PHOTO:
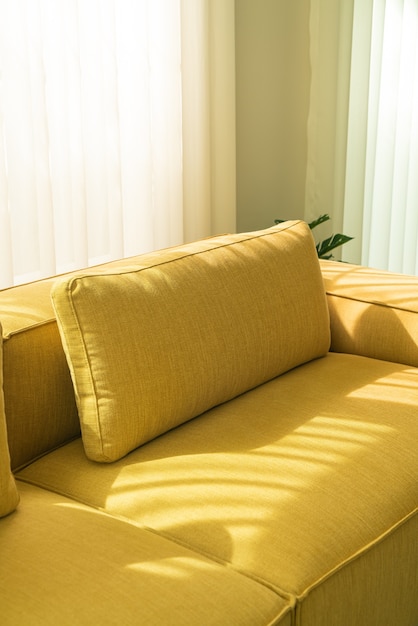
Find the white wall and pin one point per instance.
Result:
(272, 105)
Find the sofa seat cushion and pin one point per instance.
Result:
(64, 563)
(153, 345)
(308, 482)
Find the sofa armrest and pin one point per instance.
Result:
(373, 313)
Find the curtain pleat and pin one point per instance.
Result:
(381, 175)
(196, 108)
(363, 128)
(106, 134)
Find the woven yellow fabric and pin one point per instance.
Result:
(373, 312)
(63, 563)
(38, 392)
(154, 345)
(379, 586)
(41, 413)
(308, 482)
(9, 496)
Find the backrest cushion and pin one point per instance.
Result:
(9, 496)
(154, 345)
(39, 398)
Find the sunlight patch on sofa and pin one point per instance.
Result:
(400, 388)
(174, 567)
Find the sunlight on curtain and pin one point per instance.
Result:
(382, 153)
(106, 132)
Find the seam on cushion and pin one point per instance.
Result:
(9, 335)
(385, 305)
(282, 593)
(123, 270)
(357, 555)
(132, 269)
(89, 366)
(278, 620)
(129, 270)
(41, 455)
(285, 595)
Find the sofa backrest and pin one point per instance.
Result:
(39, 400)
(155, 345)
(252, 306)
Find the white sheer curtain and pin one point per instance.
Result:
(382, 165)
(109, 145)
(363, 128)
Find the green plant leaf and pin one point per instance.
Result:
(324, 247)
(320, 220)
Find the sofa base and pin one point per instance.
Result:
(316, 499)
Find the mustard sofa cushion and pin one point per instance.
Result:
(9, 496)
(154, 345)
(41, 414)
(367, 304)
(308, 483)
(64, 563)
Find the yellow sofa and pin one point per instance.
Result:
(220, 433)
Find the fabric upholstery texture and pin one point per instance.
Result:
(38, 392)
(9, 496)
(292, 495)
(151, 347)
(295, 503)
(68, 564)
(375, 592)
(373, 312)
(42, 412)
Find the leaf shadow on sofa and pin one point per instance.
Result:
(288, 481)
(87, 567)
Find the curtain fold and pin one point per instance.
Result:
(363, 132)
(108, 143)
(390, 233)
(330, 32)
(381, 185)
